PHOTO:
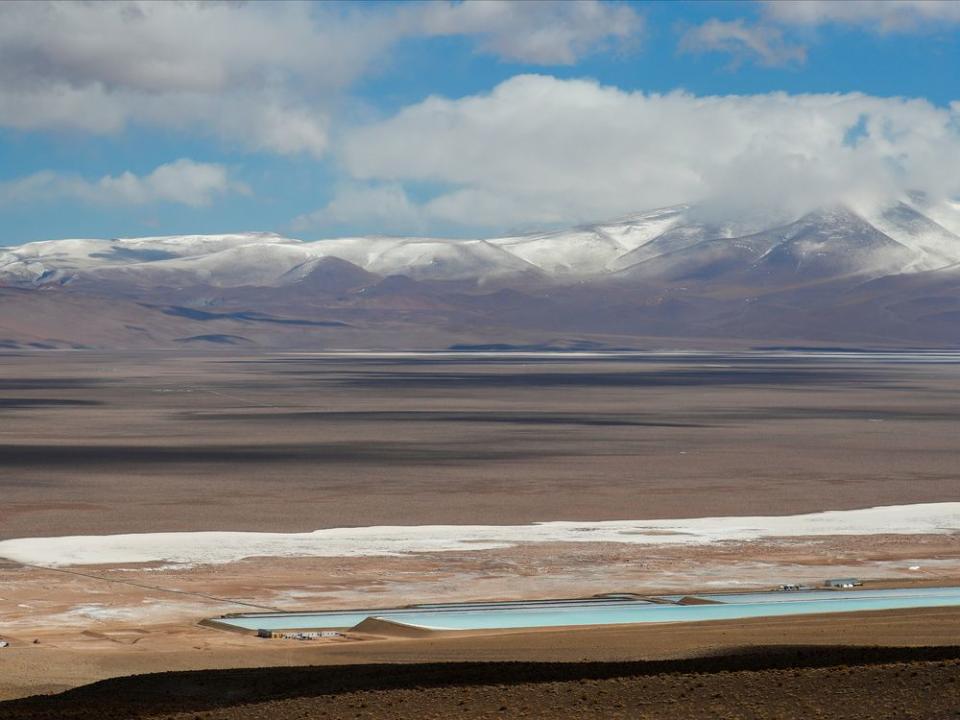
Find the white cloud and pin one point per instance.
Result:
(369, 207)
(545, 32)
(262, 75)
(246, 73)
(880, 15)
(540, 150)
(183, 182)
(761, 43)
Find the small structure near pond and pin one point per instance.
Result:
(842, 583)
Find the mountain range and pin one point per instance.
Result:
(883, 278)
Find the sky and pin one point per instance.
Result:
(463, 119)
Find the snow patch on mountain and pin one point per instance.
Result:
(667, 243)
(446, 260)
(934, 245)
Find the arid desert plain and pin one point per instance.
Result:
(453, 476)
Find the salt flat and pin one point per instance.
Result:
(192, 548)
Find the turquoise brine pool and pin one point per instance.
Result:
(611, 611)
(340, 619)
(797, 595)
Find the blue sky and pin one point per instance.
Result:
(315, 120)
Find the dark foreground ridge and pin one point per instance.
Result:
(778, 682)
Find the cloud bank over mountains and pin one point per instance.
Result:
(540, 150)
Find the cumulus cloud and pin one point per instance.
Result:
(761, 43)
(367, 207)
(547, 32)
(235, 71)
(540, 150)
(183, 182)
(262, 75)
(880, 15)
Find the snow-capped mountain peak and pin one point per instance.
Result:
(662, 243)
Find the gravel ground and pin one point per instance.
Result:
(783, 683)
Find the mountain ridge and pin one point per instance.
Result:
(888, 276)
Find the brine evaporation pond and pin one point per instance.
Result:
(608, 610)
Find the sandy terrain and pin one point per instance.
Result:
(518, 691)
(68, 626)
(93, 444)
(84, 606)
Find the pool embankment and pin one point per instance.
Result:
(693, 600)
(382, 627)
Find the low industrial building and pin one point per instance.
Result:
(843, 583)
(301, 634)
